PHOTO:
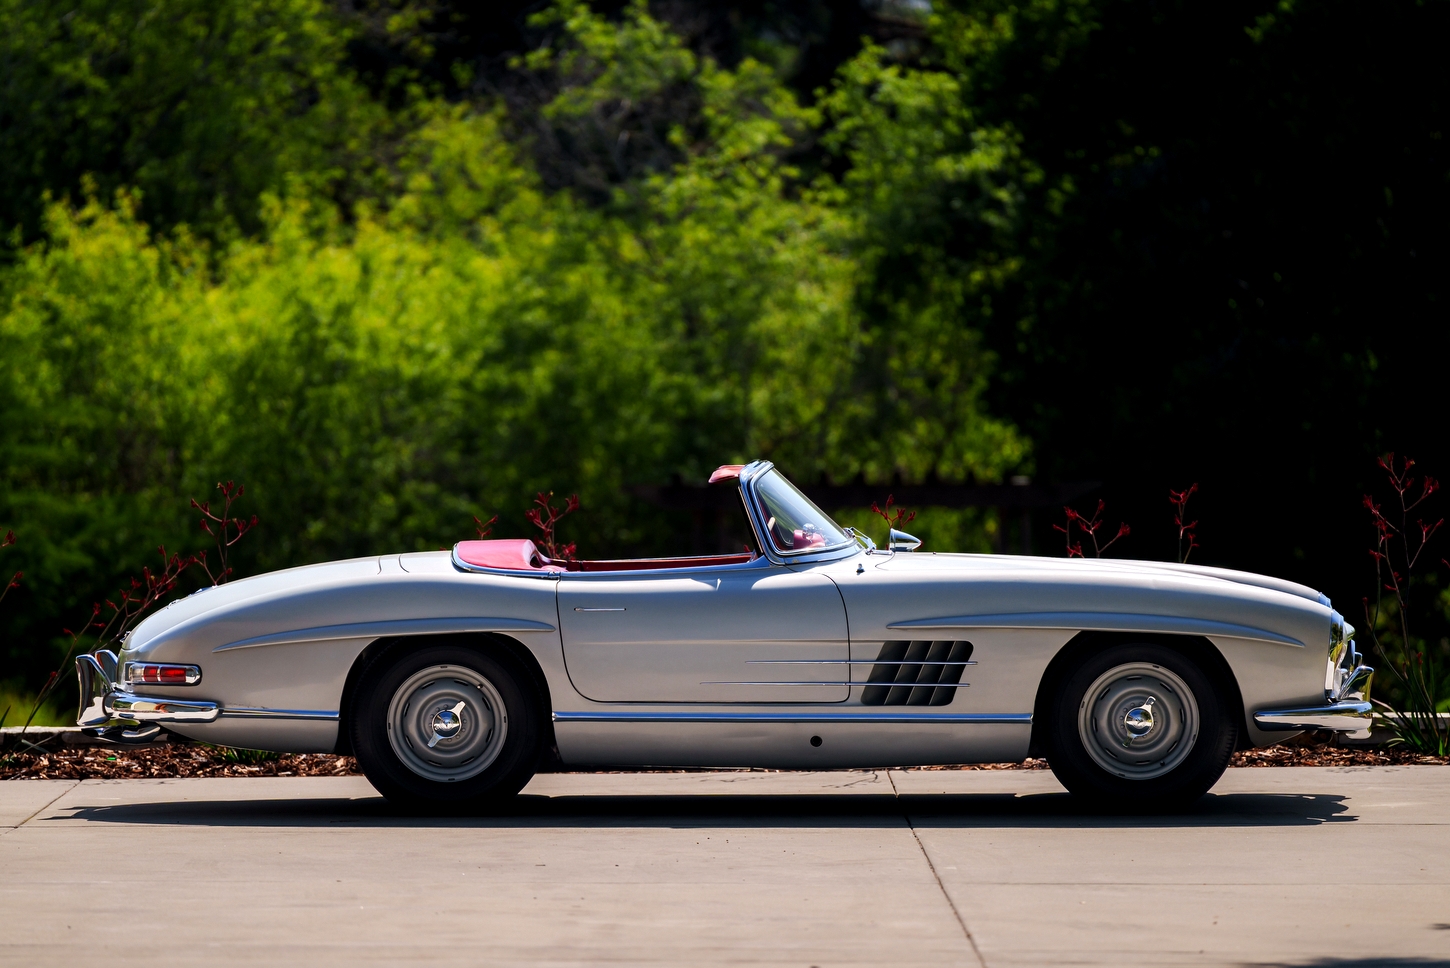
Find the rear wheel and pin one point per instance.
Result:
(1140, 728)
(446, 728)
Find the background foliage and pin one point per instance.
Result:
(397, 262)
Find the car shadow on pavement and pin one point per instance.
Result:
(1354, 963)
(736, 810)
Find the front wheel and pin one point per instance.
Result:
(1140, 728)
(445, 728)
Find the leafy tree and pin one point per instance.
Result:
(198, 105)
(468, 334)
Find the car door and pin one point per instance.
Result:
(756, 633)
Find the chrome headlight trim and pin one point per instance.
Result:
(1345, 677)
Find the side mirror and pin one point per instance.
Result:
(901, 541)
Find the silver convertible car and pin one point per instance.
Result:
(452, 677)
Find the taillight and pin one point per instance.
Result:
(162, 674)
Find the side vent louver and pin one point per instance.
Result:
(917, 673)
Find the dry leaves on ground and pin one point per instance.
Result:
(1333, 756)
(167, 760)
(187, 760)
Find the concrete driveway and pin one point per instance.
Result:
(1344, 867)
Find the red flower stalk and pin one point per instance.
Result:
(134, 600)
(1397, 549)
(893, 519)
(15, 578)
(484, 528)
(546, 518)
(1179, 500)
(224, 529)
(1089, 526)
(130, 605)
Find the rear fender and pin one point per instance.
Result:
(510, 650)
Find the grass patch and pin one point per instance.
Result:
(229, 754)
(51, 713)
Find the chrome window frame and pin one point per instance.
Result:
(750, 475)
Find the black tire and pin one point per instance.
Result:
(490, 752)
(1135, 745)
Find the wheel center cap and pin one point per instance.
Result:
(446, 724)
(1138, 721)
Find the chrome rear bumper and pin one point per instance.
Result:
(146, 709)
(108, 711)
(1342, 717)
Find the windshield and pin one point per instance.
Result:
(793, 522)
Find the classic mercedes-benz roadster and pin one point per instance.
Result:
(452, 677)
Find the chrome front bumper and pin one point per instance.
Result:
(110, 712)
(1342, 717)
(1347, 680)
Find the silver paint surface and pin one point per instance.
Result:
(693, 640)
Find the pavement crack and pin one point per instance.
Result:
(961, 921)
(49, 803)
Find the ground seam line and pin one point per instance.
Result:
(48, 804)
(940, 886)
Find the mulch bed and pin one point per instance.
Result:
(167, 760)
(1333, 756)
(192, 760)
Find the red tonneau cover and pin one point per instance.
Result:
(510, 553)
(521, 554)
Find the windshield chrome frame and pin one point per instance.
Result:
(750, 476)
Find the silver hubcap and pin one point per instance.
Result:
(1138, 720)
(447, 723)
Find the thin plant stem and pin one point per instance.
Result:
(1397, 551)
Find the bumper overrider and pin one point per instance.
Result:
(111, 712)
(1346, 708)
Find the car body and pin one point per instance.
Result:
(815, 652)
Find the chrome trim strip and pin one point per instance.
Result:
(261, 712)
(582, 608)
(612, 716)
(858, 682)
(759, 562)
(1342, 717)
(1099, 622)
(149, 709)
(407, 626)
(870, 662)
